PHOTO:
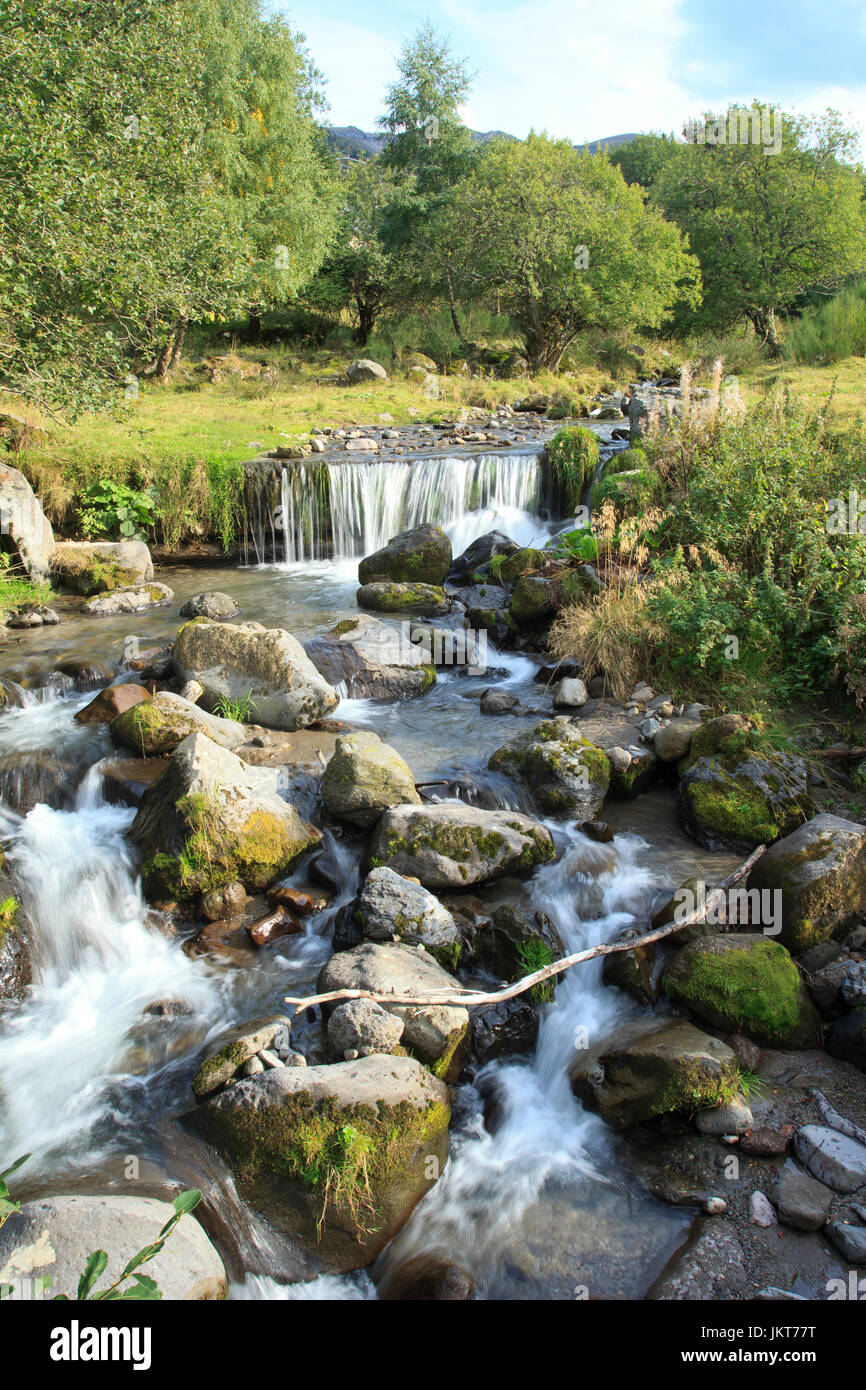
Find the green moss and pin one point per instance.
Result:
(429, 677)
(532, 955)
(8, 918)
(521, 562)
(755, 989)
(346, 625)
(734, 809)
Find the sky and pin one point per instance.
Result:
(583, 69)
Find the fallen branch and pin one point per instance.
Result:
(838, 750)
(471, 998)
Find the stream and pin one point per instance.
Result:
(536, 1202)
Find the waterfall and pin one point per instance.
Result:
(346, 510)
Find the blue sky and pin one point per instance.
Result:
(583, 68)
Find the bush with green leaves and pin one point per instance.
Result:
(118, 512)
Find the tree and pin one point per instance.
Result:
(430, 151)
(767, 227)
(265, 147)
(358, 274)
(566, 244)
(642, 159)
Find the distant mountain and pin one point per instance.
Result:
(356, 143)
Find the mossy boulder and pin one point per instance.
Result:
(137, 598)
(521, 562)
(564, 773)
(336, 1156)
(426, 600)
(210, 819)
(820, 869)
(419, 556)
(227, 1054)
(153, 728)
(15, 966)
(372, 659)
(450, 845)
(365, 777)
(438, 1035)
(534, 600)
(744, 983)
(266, 667)
(633, 972)
(734, 796)
(390, 906)
(99, 567)
(654, 1067)
(628, 782)
(517, 943)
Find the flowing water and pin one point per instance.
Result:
(534, 1201)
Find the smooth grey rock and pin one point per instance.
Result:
(25, 523)
(801, 1201)
(570, 693)
(831, 1157)
(365, 777)
(451, 845)
(213, 604)
(850, 1240)
(363, 1026)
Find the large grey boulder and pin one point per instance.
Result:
(450, 845)
(364, 777)
(98, 567)
(419, 556)
(362, 1027)
(25, 523)
(365, 369)
(390, 905)
(342, 1153)
(801, 1201)
(564, 773)
(266, 666)
(53, 1236)
(370, 659)
(211, 819)
(820, 869)
(213, 604)
(436, 1033)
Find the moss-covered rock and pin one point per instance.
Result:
(15, 966)
(628, 782)
(518, 943)
(210, 820)
(99, 567)
(426, 600)
(153, 728)
(337, 1156)
(744, 983)
(365, 777)
(563, 771)
(653, 1067)
(820, 870)
(732, 795)
(521, 562)
(227, 1054)
(419, 556)
(372, 659)
(452, 846)
(390, 906)
(534, 601)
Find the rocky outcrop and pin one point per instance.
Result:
(343, 1153)
(390, 906)
(820, 870)
(153, 728)
(732, 796)
(564, 773)
(25, 524)
(372, 660)
(212, 604)
(652, 1067)
(227, 1054)
(265, 666)
(450, 845)
(436, 1034)
(132, 600)
(419, 556)
(53, 1237)
(99, 567)
(423, 600)
(746, 983)
(210, 820)
(365, 777)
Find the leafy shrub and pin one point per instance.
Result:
(116, 511)
(831, 331)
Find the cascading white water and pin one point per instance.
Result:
(372, 501)
(97, 962)
(493, 1178)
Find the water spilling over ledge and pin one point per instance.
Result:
(341, 510)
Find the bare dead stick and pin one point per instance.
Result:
(469, 998)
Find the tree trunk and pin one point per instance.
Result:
(162, 362)
(366, 320)
(452, 305)
(254, 313)
(179, 335)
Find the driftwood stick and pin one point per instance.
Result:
(469, 998)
